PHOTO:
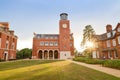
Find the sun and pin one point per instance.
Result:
(89, 44)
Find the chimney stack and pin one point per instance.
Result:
(109, 28)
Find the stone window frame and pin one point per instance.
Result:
(118, 39)
(108, 34)
(46, 43)
(108, 43)
(42, 43)
(118, 29)
(51, 43)
(114, 42)
(55, 43)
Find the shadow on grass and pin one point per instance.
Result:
(73, 72)
(63, 70)
(23, 63)
(25, 75)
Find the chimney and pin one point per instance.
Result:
(109, 28)
(11, 32)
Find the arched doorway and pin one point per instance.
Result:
(50, 54)
(55, 54)
(5, 56)
(40, 54)
(45, 54)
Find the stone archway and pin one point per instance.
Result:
(46, 54)
(50, 54)
(56, 54)
(40, 54)
(6, 56)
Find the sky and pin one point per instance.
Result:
(42, 17)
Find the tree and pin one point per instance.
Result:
(24, 53)
(75, 52)
(88, 33)
(88, 39)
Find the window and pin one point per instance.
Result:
(114, 42)
(113, 32)
(51, 43)
(51, 37)
(46, 37)
(64, 47)
(70, 44)
(7, 44)
(55, 43)
(119, 29)
(38, 36)
(46, 43)
(108, 35)
(109, 54)
(56, 37)
(98, 56)
(108, 43)
(41, 43)
(0, 42)
(96, 45)
(11, 56)
(71, 37)
(115, 54)
(13, 46)
(118, 39)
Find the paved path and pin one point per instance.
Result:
(107, 70)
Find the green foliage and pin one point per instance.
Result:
(87, 53)
(22, 63)
(112, 64)
(107, 63)
(49, 70)
(1, 60)
(88, 60)
(24, 53)
(88, 33)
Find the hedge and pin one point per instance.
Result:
(112, 64)
(107, 63)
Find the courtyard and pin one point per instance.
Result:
(49, 69)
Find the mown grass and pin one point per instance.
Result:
(52, 70)
(22, 63)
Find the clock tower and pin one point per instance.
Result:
(64, 36)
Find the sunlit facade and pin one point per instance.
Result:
(107, 45)
(8, 42)
(55, 46)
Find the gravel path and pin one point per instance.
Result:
(107, 70)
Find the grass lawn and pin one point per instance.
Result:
(49, 70)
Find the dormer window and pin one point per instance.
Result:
(118, 29)
(113, 32)
(108, 35)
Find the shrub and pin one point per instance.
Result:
(112, 64)
(1, 60)
(88, 60)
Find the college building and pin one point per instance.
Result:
(107, 45)
(8, 42)
(55, 46)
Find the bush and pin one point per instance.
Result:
(88, 60)
(1, 60)
(107, 63)
(112, 64)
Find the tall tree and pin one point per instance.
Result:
(88, 33)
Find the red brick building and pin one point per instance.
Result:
(55, 46)
(108, 44)
(8, 42)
